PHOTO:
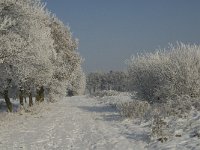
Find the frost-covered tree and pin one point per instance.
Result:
(37, 51)
(67, 61)
(10, 46)
(77, 84)
(26, 43)
(113, 80)
(93, 81)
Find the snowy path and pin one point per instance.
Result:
(76, 123)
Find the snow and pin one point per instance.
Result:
(85, 123)
(73, 123)
(188, 131)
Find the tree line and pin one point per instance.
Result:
(113, 80)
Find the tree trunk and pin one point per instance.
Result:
(25, 100)
(8, 103)
(94, 89)
(70, 93)
(40, 94)
(21, 98)
(90, 91)
(30, 99)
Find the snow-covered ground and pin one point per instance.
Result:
(85, 123)
(78, 123)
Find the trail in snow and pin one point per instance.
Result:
(77, 123)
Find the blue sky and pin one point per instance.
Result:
(110, 31)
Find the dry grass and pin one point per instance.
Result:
(133, 109)
(105, 93)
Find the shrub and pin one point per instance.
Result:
(176, 125)
(106, 93)
(133, 109)
(159, 129)
(158, 76)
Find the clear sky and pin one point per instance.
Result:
(110, 31)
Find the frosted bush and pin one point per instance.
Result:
(133, 109)
(180, 106)
(157, 76)
(168, 128)
(159, 129)
(106, 93)
(166, 118)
